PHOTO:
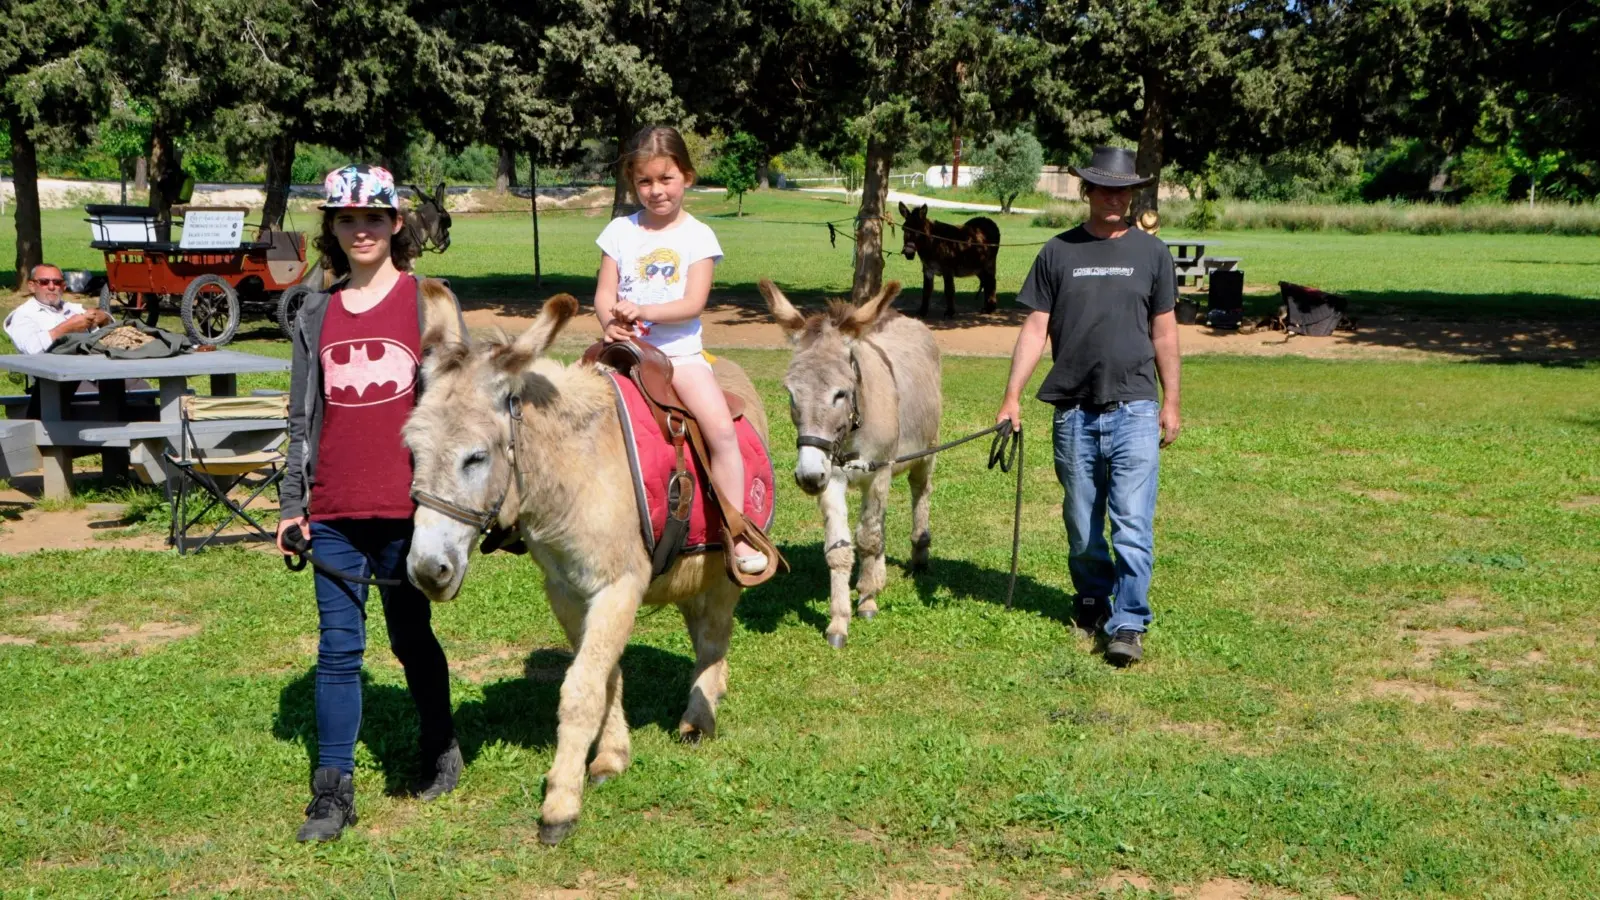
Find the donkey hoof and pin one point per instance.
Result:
(867, 612)
(836, 641)
(602, 778)
(553, 833)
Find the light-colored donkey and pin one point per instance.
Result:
(863, 388)
(504, 434)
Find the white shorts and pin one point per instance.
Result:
(692, 359)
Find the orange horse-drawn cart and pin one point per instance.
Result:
(214, 272)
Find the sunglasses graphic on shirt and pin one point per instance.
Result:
(665, 270)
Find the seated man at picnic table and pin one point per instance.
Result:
(45, 317)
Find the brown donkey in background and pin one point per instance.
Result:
(952, 252)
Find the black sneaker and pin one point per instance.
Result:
(1126, 647)
(444, 777)
(332, 807)
(1089, 613)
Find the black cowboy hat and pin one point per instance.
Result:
(1111, 167)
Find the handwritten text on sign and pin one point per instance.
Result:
(212, 229)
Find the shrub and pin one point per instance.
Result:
(1011, 165)
(739, 166)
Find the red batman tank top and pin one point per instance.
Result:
(369, 385)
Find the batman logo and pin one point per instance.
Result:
(367, 372)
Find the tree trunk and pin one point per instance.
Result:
(763, 177)
(533, 190)
(1151, 135)
(25, 175)
(166, 178)
(955, 164)
(141, 173)
(505, 174)
(624, 131)
(280, 169)
(869, 221)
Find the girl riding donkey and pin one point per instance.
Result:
(353, 381)
(655, 277)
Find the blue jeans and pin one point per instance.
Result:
(373, 548)
(1108, 462)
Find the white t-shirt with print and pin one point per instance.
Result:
(653, 267)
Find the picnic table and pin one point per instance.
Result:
(1191, 260)
(111, 424)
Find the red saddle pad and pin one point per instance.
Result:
(652, 459)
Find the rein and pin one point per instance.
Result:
(297, 542)
(480, 519)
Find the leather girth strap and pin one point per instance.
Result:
(651, 371)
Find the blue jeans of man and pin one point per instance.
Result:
(373, 548)
(1107, 462)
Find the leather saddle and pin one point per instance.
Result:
(651, 371)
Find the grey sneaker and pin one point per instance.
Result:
(1126, 647)
(445, 776)
(1089, 613)
(332, 808)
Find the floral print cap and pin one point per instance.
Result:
(360, 186)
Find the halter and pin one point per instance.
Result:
(835, 447)
(480, 519)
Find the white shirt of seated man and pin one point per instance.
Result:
(46, 316)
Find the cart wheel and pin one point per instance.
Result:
(289, 308)
(210, 310)
(143, 307)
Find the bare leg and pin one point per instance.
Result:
(920, 476)
(710, 621)
(614, 749)
(584, 702)
(698, 389)
(841, 557)
(869, 542)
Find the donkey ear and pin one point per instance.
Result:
(873, 309)
(788, 317)
(904, 213)
(923, 209)
(553, 316)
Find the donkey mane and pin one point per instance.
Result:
(841, 314)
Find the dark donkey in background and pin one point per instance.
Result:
(952, 252)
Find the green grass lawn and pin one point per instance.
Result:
(1372, 672)
(780, 237)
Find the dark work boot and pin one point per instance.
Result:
(332, 807)
(1126, 647)
(1089, 613)
(440, 775)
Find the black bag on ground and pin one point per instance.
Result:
(152, 342)
(1311, 311)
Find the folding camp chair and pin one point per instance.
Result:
(216, 472)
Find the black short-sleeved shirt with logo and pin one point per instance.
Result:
(1100, 294)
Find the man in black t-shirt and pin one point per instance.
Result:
(1103, 294)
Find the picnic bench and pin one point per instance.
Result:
(1191, 261)
(121, 432)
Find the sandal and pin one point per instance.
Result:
(754, 564)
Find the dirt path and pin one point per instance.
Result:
(738, 323)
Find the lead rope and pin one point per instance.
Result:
(1005, 451)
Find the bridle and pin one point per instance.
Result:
(481, 519)
(835, 447)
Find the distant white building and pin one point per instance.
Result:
(939, 176)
